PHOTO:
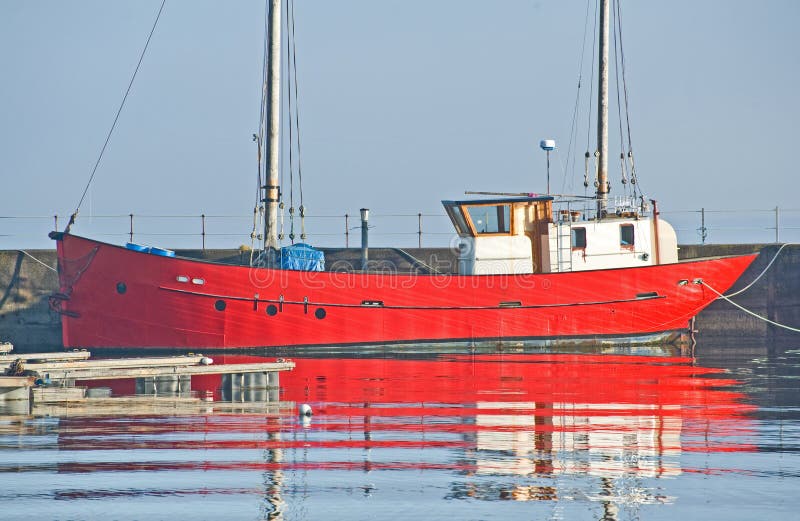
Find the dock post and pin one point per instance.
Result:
(203, 229)
(346, 230)
(364, 238)
(419, 230)
(703, 230)
(777, 227)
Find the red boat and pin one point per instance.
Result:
(112, 296)
(542, 268)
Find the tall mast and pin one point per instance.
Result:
(272, 186)
(602, 112)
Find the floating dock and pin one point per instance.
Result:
(69, 372)
(49, 378)
(7, 358)
(15, 387)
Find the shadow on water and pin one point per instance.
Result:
(596, 435)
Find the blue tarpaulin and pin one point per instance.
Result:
(302, 257)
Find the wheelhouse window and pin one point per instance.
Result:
(626, 236)
(490, 218)
(579, 238)
(457, 217)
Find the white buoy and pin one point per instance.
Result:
(305, 410)
(206, 360)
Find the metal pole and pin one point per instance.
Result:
(271, 189)
(548, 172)
(346, 230)
(602, 113)
(703, 233)
(419, 230)
(203, 231)
(364, 238)
(776, 224)
(55, 219)
(131, 232)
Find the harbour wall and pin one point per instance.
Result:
(27, 321)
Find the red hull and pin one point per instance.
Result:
(114, 297)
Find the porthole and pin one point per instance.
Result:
(272, 310)
(220, 305)
(121, 288)
(320, 313)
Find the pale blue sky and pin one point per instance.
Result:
(403, 103)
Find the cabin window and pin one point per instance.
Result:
(579, 238)
(626, 236)
(490, 219)
(457, 217)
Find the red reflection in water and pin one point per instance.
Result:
(497, 427)
(597, 414)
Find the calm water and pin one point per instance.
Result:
(467, 436)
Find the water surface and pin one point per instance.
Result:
(473, 436)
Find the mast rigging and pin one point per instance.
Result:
(602, 112)
(271, 188)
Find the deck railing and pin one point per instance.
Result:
(406, 230)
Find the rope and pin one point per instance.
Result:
(297, 125)
(258, 208)
(633, 178)
(617, 44)
(294, 124)
(291, 130)
(116, 118)
(573, 133)
(296, 105)
(591, 81)
(37, 260)
(762, 273)
(765, 319)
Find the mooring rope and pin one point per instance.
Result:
(37, 260)
(116, 118)
(774, 258)
(751, 313)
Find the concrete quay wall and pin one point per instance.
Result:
(27, 321)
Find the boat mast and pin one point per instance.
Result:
(272, 187)
(602, 113)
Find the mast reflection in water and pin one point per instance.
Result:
(543, 435)
(509, 426)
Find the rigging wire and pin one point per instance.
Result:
(258, 209)
(588, 155)
(634, 179)
(290, 16)
(293, 117)
(591, 81)
(116, 118)
(291, 128)
(615, 22)
(573, 133)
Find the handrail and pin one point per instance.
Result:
(392, 229)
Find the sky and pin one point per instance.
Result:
(402, 104)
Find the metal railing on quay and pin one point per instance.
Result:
(404, 230)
